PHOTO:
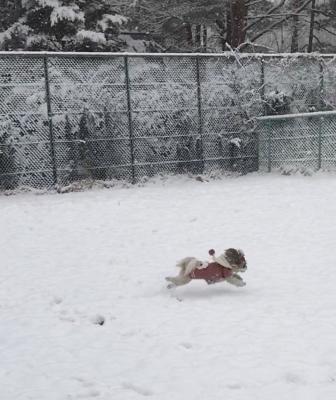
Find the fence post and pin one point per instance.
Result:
(263, 103)
(257, 143)
(319, 158)
(320, 106)
(321, 86)
(199, 106)
(130, 119)
(269, 150)
(262, 88)
(50, 120)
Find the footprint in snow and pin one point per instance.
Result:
(88, 394)
(98, 319)
(234, 386)
(88, 389)
(64, 315)
(74, 315)
(57, 300)
(137, 389)
(186, 345)
(292, 377)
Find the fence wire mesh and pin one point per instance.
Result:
(67, 117)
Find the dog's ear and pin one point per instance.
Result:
(232, 256)
(235, 257)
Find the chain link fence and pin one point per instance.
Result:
(65, 117)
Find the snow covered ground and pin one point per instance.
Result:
(72, 261)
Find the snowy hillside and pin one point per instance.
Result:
(85, 312)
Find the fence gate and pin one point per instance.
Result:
(299, 141)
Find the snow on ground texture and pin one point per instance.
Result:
(85, 312)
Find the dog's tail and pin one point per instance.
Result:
(182, 263)
(188, 264)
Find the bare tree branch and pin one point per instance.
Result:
(297, 11)
(282, 2)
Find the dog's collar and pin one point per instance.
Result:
(222, 261)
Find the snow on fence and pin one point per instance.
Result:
(71, 116)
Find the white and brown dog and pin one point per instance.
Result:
(222, 268)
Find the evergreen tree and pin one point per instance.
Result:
(10, 10)
(64, 25)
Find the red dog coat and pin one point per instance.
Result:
(214, 272)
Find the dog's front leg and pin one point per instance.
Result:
(235, 280)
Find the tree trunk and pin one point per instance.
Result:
(189, 34)
(311, 27)
(295, 35)
(204, 38)
(295, 28)
(198, 37)
(238, 22)
(332, 5)
(221, 26)
(228, 29)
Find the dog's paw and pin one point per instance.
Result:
(171, 286)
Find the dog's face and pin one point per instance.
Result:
(236, 258)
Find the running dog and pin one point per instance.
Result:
(222, 268)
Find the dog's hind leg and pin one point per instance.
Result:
(177, 281)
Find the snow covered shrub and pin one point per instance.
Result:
(89, 97)
(188, 150)
(40, 43)
(100, 152)
(292, 170)
(93, 147)
(7, 154)
(290, 82)
(231, 98)
(167, 137)
(236, 152)
(165, 123)
(71, 152)
(15, 37)
(277, 103)
(87, 153)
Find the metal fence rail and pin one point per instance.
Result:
(71, 116)
(299, 141)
